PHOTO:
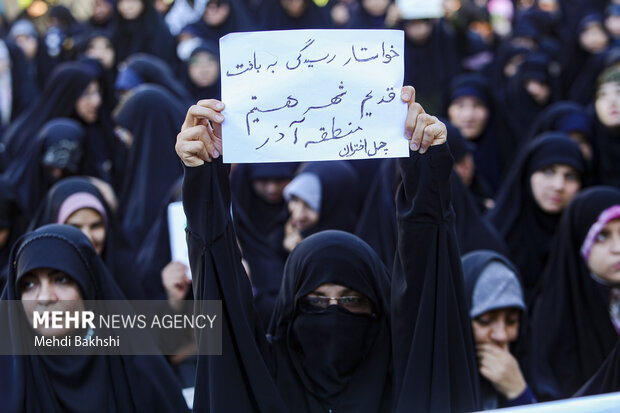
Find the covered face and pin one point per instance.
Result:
(330, 338)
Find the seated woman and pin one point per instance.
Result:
(575, 319)
(57, 266)
(495, 307)
(544, 179)
(343, 336)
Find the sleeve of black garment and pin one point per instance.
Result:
(240, 379)
(434, 358)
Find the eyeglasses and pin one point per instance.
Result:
(315, 304)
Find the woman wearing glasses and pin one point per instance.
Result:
(345, 336)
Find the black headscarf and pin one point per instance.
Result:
(275, 17)
(432, 65)
(564, 116)
(213, 91)
(60, 143)
(527, 230)
(72, 383)
(491, 152)
(152, 69)
(606, 379)
(474, 264)
(147, 33)
(240, 19)
(23, 84)
(340, 198)
(65, 86)
(606, 143)
(154, 253)
(571, 330)
(13, 220)
(116, 253)
(535, 67)
(356, 341)
(153, 117)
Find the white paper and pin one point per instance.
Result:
(176, 228)
(605, 403)
(308, 95)
(420, 9)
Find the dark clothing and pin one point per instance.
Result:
(153, 116)
(606, 379)
(44, 383)
(571, 331)
(525, 227)
(258, 375)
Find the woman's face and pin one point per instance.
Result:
(294, 8)
(584, 144)
(91, 224)
(335, 294)
(28, 44)
(499, 327)
(376, 8)
(216, 13)
(302, 215)
(604, 260)
(4, 236)
(130, 9)
(270, 190)
(87, 105)
(554, 186)
(418, 31)
(607, 104)
(539, 91)
(469, 115)
(204, 69)
(45, 289)
(102, 50)
(593, 38)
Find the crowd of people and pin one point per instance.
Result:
(481, 272)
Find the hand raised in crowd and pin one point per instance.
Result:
(497, 365)
(200, 139)
(421, 129)
(292, 236)
(176, 283)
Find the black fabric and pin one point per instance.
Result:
(260, 228)
(147, 33)
(556, 118)
(519, 107)
(436, 370)
(72, 383)
(12, 219)
(152, 69)
(528, 230)
(606, 379)
(58, 99)
(274, 17)
(431, 66)
(240, 19)
(306, 381)
(117, 255)
(154, 253)
(432, 342)
(213, 91)
(29, 177)
(491, 151)
(23, 84)
(153, 116)
(340, 197)
(606, 154)
(571, 333)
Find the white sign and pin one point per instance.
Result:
(308, 95)
(420, 9)
(176, 228)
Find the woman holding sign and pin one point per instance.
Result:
(341, 339)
